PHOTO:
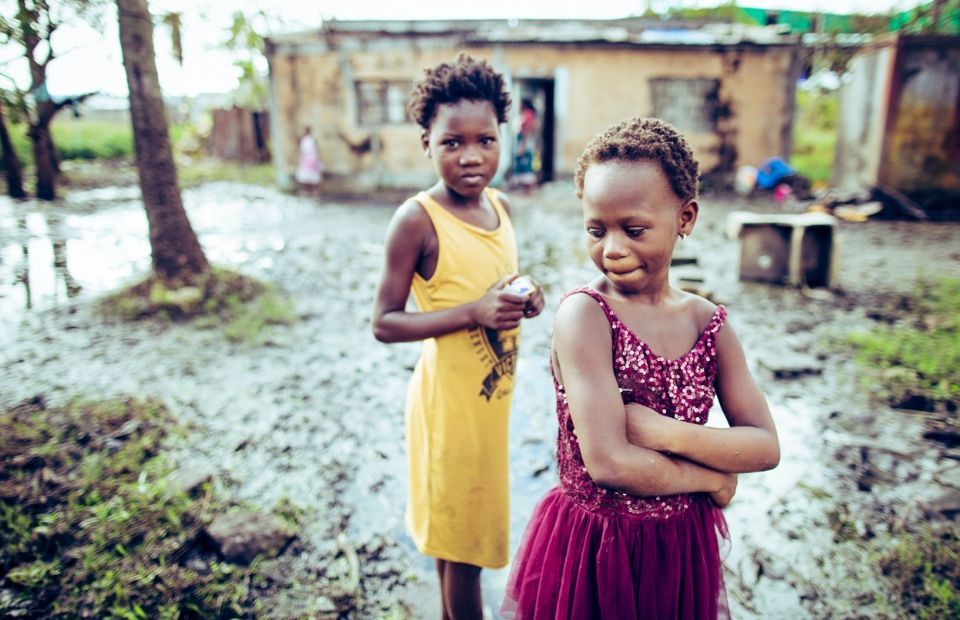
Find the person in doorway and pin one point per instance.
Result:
(453, 246)
(525, 157)
(309, 172)
(633, 529)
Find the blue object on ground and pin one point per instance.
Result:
(772, 172)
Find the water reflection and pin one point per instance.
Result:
(36, 261)
(94, 241)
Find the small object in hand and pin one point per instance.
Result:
(523, 286)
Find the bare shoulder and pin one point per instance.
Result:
(579, 313)
(411, 221)
(410, 213)
(504, 201)
(699, 309)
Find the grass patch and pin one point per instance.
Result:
(924, 570)
(915, 361)
(241, 306)
(90, 527)
(207, 170)
(89, 139)
(815, 135)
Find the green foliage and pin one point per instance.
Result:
(246, 43)
(924, 571)
(917, 358)
(815, 134)
(727, 12)
(936, 17)
(91, 527)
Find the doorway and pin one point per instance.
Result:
(534, 149)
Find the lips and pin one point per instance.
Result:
(622, 271)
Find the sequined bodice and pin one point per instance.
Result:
(682, 388)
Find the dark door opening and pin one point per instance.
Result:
(534, 138)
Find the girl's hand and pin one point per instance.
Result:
(535, 302)
(499, 308)
(722, 496)
(648, 429)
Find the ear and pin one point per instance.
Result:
(425, 142)
(687, 217)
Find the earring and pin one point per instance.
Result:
(683, 236)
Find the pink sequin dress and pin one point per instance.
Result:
(590, 552)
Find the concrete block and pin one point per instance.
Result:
(794, 249)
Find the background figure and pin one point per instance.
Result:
(524, 169)
(309, 169)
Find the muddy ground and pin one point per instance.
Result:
(312, 412)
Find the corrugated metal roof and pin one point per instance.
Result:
(628, 31)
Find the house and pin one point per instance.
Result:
(729, 88)
(899, 123)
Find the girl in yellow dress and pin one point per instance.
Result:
(453, 245)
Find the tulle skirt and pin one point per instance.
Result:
(577, 564)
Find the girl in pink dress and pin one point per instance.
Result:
(632, 530)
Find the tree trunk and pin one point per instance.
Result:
(177, 254)
(11, 163)
(43, 147)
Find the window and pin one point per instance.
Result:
(690, 105)
(381, 102)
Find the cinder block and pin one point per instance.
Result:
(794, 249)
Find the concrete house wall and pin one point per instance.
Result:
(733, 96)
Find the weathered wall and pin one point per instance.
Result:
(862, 119)
(900, 117)
(239, 134)
(922, 150)
(313, 84)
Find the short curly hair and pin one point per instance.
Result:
(639, 138)
(450, 82)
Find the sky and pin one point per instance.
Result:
(89, 58)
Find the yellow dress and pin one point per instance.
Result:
(458, 403)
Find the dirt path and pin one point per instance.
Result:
(314, 416)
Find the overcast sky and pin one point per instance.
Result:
(89, 59)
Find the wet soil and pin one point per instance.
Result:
(312, 414)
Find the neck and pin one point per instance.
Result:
(653, 295)
(441, 192)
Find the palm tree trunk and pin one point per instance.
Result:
(177, 255)
(11, 163)
(43, 164)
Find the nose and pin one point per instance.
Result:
(471, 155)
(613, 247)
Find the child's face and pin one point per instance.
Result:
(464, 142)
(633, 218)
